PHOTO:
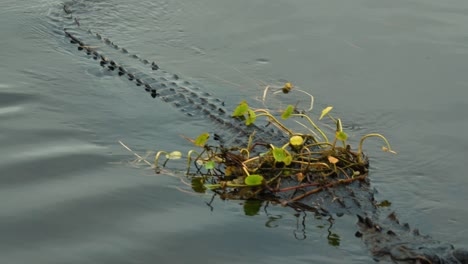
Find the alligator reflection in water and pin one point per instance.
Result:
(386, 238)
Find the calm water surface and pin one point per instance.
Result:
(70, 195)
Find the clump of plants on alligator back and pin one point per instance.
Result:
(306, 164)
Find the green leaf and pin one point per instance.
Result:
(253, 180)
(287, 161)
(241, 109)
(202, 139)
(296, 141)
(282, 155)
(325, 111)
(251, 117)
(340, 135)
(287, 112)
(174, 155)
(210, 165)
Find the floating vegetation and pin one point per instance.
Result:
(259, 170)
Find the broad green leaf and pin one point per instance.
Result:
(287, 112)
(341, 136)
(296, 141)
(253, 180)
(210, 165)
(287, 161)
(241, 109)
(202, 139)
(251, 117)
(278, 154)
(282, 155)
(325, 111)
(174, 155)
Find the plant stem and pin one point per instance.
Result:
(314, 125)
(267, 114)
(368, 136)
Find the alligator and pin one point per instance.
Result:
(158, 83)
(387, 239)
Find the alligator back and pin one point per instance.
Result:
(150, 77)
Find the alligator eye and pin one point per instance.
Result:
(124, 50)
(80, 47)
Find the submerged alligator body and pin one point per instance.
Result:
(158, 83)
(386, 238)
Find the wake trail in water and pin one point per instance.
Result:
(150, 77)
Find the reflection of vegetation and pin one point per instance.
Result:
(261, 169)
(302, 226)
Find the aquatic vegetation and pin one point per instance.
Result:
(306, 164)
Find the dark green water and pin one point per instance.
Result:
(69, 195)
